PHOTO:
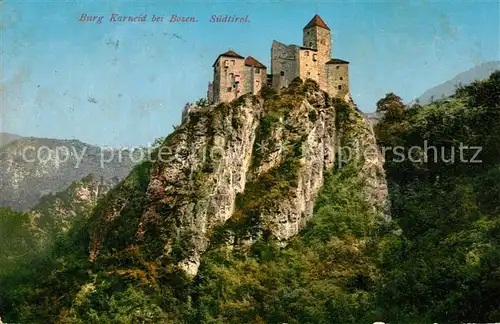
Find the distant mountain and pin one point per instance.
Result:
(6, 138)
(372, 117)
(31, 168)
(447, 88)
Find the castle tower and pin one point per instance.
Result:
(255, 76)
(229, 69)
(317, 35)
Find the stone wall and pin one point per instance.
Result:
(260, 79)
(320, 39)
(338, 76)
(255, 78)
(284, 64)
(308, 65)
(228, 70)
(248, 80)
(210, 93)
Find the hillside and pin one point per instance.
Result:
(232, 177)
(446, 89)
(38, 229)
(55, 213)
(6, 138)
(251, 212)
(33, 167)
(444, 266)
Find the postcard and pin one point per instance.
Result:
(250, 161)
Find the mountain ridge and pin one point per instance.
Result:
(32, 167)
(447, 88)
(6, 138)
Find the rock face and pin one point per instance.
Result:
(33, 167)
(242, 170)
(57, 212)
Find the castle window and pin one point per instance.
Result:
(231, 76)
(226, 64)
(282, 73)
(315, 57)
(257, 71)
(232, 62)
(323, 42)
(306, 53)
(229, 89)
(308, 73)
(338, 67)
(257, 82)
(340, 87)
(341, 78)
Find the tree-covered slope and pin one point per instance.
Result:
(445, 266)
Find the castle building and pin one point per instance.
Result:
(235, 76)
(311, 61)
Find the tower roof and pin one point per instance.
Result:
(229, 53)
(250, 61)
(317, 22)
(337, 61)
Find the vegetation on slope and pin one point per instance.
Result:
(326, 275)
(445, 266)
(437, 261)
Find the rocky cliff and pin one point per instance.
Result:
(56, 213)
(232, 173)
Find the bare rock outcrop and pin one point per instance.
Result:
(249, 168)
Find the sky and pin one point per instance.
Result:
(126, 83)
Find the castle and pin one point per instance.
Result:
(235, 75)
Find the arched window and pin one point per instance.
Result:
(340, 87)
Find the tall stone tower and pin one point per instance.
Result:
(229, 70)
(317, 35)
